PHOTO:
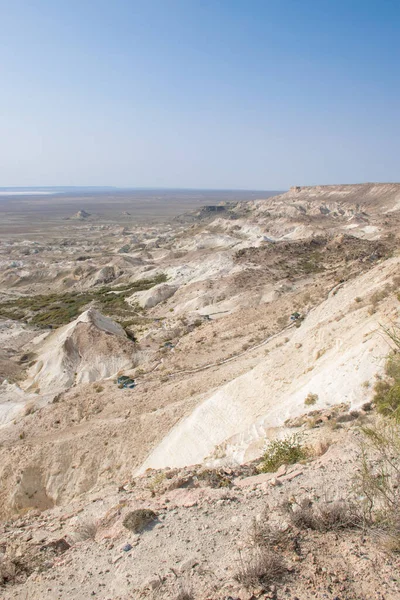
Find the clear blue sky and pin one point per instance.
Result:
(259, 94)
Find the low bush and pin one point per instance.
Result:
(387, 398)
(347, 417)
(214, 478)
(156, 484)
(138, 520)
(387, 390)
(378, 478)
(302, 514)
(288, 451)
(311, 399)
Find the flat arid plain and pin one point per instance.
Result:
(187, 383)
(24, 211)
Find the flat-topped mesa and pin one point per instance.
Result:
(384, 196)
(213, 208)
(376, 205)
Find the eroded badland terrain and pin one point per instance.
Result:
(234, 325)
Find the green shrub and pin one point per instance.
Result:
(288, 451)
(378, 476)
(54, 310)
(392, 368)
(387, 399)
(311, 399)
(387, 391)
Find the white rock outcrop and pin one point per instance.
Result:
(152, 297)
(90, 348)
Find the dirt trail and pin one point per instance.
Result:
(251, 348)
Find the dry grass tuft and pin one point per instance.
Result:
(86, 530)
(260, 569)
(379, 476)
(185, 592)
(388, 540)
(264, 535)
(324, 516)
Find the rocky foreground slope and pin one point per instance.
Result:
(202, 528)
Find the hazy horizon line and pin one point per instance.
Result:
(114, 187)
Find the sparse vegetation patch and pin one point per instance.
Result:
(387, 390)
(288, 451)
(54, 310)
(378, 478)
(323, 516)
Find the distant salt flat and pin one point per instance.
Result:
(28, 193)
